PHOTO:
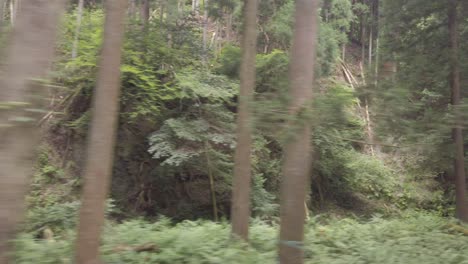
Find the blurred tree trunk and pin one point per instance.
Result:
(145, 11)
(240, 209)
(102, 135)
(195, 5)
(29, 57)
(459, 164)
(2, 12)
(297, 160)
(12, 12)
(205, 30)
(79, 17)
(132, 9)
(229, 16)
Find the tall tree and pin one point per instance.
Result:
(101, 136)
(205, 30)
(145, 11)
(79, 17)
(297, 150)
(240, 210)
(13, 9)
(2, 12)
(459, 163)
(29, 56)
(195, 4)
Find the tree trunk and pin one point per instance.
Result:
(132, 9)
(195, 5)
(12, 12)
(363, 41)
(102, 135)
(459, 169)
(297, 160)
(145, 11)
(371, 39)
(79, 17)
(228, 26)
(29, 57)
(205, 31)
(240, 209)
(2, 13)
(180, 6)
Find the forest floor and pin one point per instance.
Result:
(412, 237)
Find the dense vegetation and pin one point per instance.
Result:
(411, 238)
(382, 188)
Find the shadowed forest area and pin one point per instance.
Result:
(230, 131)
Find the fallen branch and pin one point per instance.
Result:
(141, 248)
(50, 113)
(459, 228)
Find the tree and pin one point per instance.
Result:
(2, 12)
(29, 56)
(145, 11)
(101, 136)
(79, 16)
(240, 210)
(457, 132)
(205, 30)
(195, 4)
(297, 150)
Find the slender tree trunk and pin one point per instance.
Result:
(180, 6)
(131, 9)
(343, 52)
(79, 17)
(363, 41)
(460, 177)
(371, 39)
(214, 202)
(205, 30)
(12, 12)
(145, 11)
(240, 209)
(102, 135)
(2, 12)
(195, 5)
(29, 57)
(297, 160)
(228, 26)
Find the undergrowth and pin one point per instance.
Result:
(413, 237)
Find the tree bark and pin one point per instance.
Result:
(205, 31)
(2, 13)
(240, 209)
(297, 160)
(459, 162)
(132, 9)
(195, 5)
(145, 11)
(102, 135)
(29, 57)
(228, 25)
(363, 41)
(12, 12)
(79, 17)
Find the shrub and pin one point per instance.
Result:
(413, 237)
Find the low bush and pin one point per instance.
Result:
(413, 237)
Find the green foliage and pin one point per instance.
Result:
(229, 61)
(340, 17)
(59, 217)
(177, 114)
(411, 238)
(369, 176)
